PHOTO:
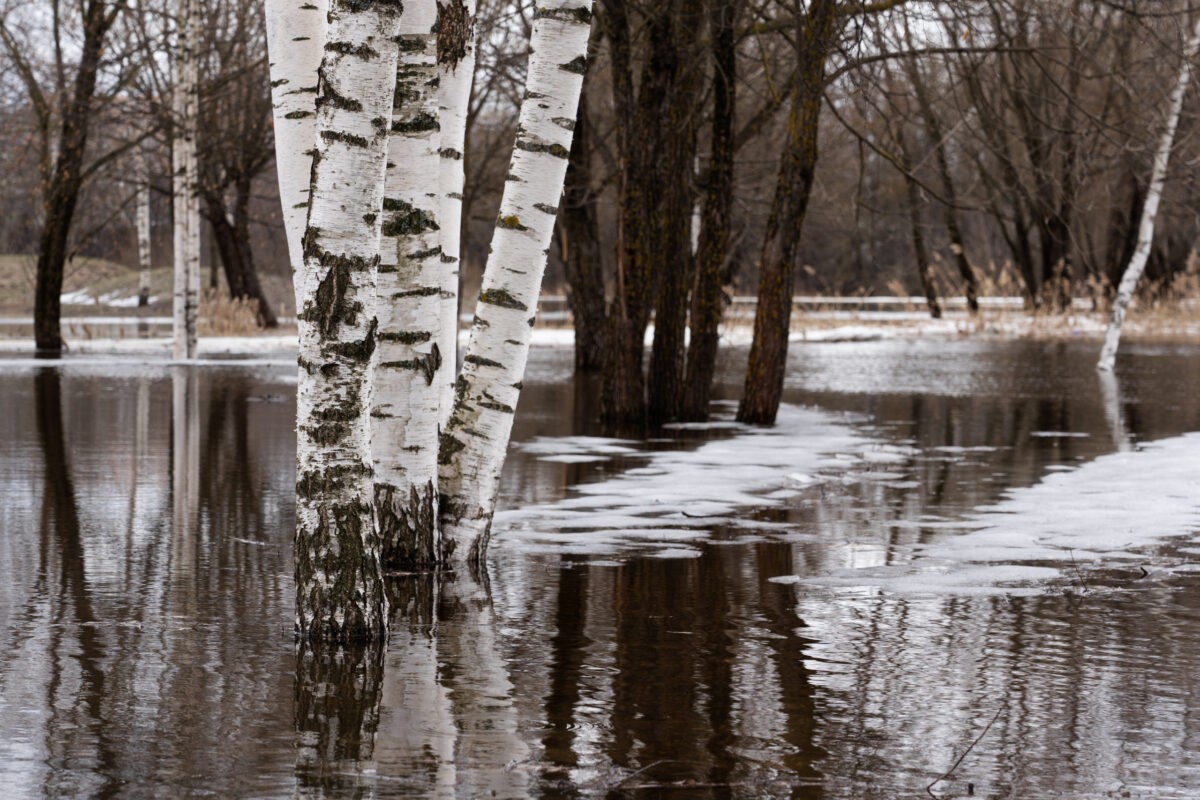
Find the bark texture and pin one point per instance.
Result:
(456, 61)
(185, 180)
(145, 260)
(232, 240)
(1158, 178)
(476, 437)
(579, 242)
(295, 43)
(409, 371)
(708, 302)
(670, 237)
(772, 317)
(339, 576)
(61, 195)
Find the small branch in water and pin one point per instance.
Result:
(978, 739)
(1083, 587)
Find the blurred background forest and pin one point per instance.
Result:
(1004, 143)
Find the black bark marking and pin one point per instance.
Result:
(350, 139)
(331, 97)
(418, 124)
(425, 291)
(406, 337)
(407, 526)
(583, 16)
(406, 219)
(577, 65)
(363, 51)
(499, 297)
(556, 150)
(427, 365)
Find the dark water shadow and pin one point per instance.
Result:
(75, 635)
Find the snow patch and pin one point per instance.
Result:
(677, 495)
(1112, 509)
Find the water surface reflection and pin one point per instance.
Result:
(145, 608)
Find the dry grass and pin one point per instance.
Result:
(222, 316)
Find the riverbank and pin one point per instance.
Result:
(133, 335)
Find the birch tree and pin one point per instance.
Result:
(185, 179)
(1158, 178)
(145, 260)
(295, 43)
(476, 438)
(409, 372)
(344, 475)
(339, 580)
(456, 61)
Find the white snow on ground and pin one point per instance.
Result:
(676, 495)
(1111, 511)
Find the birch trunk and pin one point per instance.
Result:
(295, 42)
(456, 60)
(410, 373)
(476, 438)
(145, 259)
(339, 580)
(1158, 177)
(186, 181)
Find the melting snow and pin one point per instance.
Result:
(675, 494)
(1112, 509)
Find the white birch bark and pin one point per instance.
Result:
(1158, 177)
(185, 180)
(185, 474)
(295, 44)
(456, 60)
(417, 726)
(476, 438)
(339, 579)
(480, 690)
(410, 370)
(145, 259)
(1114, 411)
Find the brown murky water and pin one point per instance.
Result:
(145, 607)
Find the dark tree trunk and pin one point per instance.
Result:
(713, 250)
(638, 123)
(579, 240)
(62, 193)
(933, 127)
(1123, 231)
(772, 318)
(920, 252)
(671, 235)
(237, 257)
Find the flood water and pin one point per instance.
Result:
(146, 595)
